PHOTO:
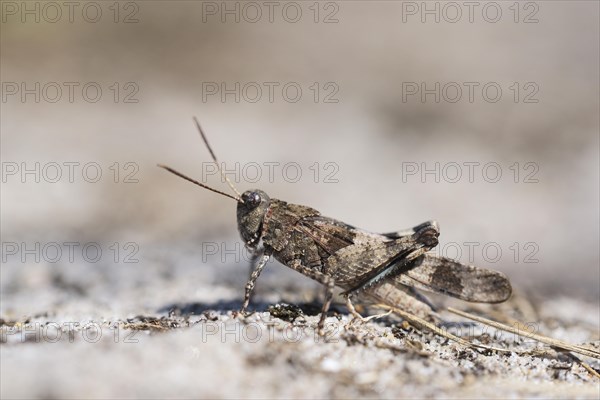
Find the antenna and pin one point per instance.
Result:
(212, 154)
(179, 174)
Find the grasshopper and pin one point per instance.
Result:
(385, 268)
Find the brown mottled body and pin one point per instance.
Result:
(383, 268)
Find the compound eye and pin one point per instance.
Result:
(252, 199)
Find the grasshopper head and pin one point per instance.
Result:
(250, 215)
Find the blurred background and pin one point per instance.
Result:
(380, 114)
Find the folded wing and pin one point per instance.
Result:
(449, 277)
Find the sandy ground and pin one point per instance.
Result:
(170, 332)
